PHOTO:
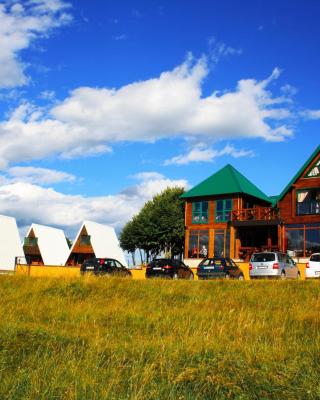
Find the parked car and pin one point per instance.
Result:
(313, 266)
(272, 264)
(104, 266)
(219, 267)
(168, 268)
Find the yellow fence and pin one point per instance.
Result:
(55, 271)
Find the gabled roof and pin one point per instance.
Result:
(299, 173)
(10, 243)
(103, 240)
(226, 181)
(52, 244)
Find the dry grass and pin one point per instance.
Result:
(126, 339)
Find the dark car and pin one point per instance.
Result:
(104, 266)
(219, 267)
(168, 268)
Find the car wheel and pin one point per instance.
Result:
(227, 276)
(241, 277)
(283, 275)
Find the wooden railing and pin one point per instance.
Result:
(255, 214)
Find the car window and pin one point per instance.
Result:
(118, 265)
(315, 257)
(263, 257)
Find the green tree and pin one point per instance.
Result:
(158, 227)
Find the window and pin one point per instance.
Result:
(30, 241)
(223, 210)
(200, 212)
(303, 240)
(308, 202)
(198, 241)
(85, 240)
(221, 242)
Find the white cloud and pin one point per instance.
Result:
(201, 153)
(310, 114)
(90, 120)
(68, 211)
(21, 23)
(38, 176)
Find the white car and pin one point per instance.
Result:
(313, 266)
(272, 265)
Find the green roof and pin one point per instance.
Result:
(299, 173)
(226, 181)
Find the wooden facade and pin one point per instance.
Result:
(290, 223)
(81, 250)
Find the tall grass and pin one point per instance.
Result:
(126, 339)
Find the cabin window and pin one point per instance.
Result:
(221, 243)
(30, 241)
(200, 212)
(308, 202)
(198, 244)
(303, 239)
(223, 210)
(85, 240)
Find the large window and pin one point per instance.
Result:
(308, 201)
(303, 239)
(198, 243)
(223, 210)
(221, 243)
(200, 212)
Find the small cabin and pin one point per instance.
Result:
(44, 245)
(95, 240)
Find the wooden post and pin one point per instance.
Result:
(186, 243)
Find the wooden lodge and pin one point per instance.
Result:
(228, 215)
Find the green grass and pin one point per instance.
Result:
(126, 339)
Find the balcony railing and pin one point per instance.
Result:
(255, 214)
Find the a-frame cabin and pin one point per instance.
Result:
(44, 245)
(95, 240)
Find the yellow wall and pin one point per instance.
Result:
(53, 271)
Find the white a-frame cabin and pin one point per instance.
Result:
(11, 249)
(45, 245)
(95, 240)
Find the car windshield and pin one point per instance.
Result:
(315, 257)
(263, 257)
(213, 262)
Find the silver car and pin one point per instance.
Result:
(272, 264)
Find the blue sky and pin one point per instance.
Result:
(105, 103)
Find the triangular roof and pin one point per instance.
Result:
(299, 173)
(52, 244)
(10, 243)
(103, 240)
(226, 181)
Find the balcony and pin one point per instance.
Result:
(265, 214)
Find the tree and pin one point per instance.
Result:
(158, 227)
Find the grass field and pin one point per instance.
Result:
(125, 339)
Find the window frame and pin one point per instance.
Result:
(316, 203)
(203, 217)
(224, 212)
